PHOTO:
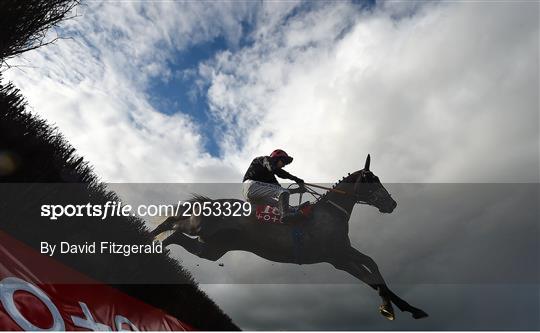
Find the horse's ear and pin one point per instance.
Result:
(368, 161)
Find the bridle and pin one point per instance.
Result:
(372, 196)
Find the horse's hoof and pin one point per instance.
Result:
(387, 311)
(419, 314)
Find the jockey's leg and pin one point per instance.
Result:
(270, 193)
(285, 209)
(262, 193)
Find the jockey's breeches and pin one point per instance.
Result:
(260, 192)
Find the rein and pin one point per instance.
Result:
(317, 196)
(329, 189)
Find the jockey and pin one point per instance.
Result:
(261, 185)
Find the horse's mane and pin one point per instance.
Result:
(346, 179)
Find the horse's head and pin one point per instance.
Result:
(369, 189)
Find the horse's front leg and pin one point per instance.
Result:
(346, 263)
(377, 281)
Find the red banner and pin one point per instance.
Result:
(39, 293)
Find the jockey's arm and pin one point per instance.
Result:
(285, 175)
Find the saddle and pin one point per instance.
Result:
(271, 214)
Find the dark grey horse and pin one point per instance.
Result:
(324, 235)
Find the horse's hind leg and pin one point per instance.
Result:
(193, 246)
(166, 225)
(189, 225)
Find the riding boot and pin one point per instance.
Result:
(286, 212)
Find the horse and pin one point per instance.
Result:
(324, 235)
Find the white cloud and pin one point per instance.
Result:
(94, 87)
(431, 90)
(434, 96)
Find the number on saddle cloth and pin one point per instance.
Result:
(271, 214)
(268, 214)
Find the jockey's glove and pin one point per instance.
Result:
(299, 181)
(301, 186)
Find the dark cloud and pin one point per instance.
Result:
(346, 307)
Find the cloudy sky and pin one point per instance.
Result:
(437, 92)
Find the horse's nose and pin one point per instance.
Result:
(390, 207)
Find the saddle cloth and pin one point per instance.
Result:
(271, 214)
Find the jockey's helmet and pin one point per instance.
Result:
(279, 154)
